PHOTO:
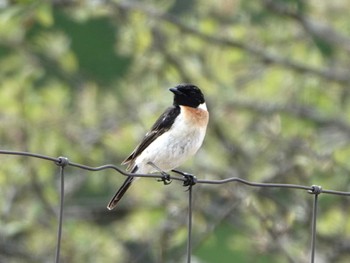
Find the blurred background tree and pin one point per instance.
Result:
(86, 79)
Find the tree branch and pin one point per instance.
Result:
(297, 110)
(318, 29)
(261, 53)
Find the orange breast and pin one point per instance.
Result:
(196, 116)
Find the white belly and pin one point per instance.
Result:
(172, 148)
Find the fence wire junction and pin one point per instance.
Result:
(188, 181)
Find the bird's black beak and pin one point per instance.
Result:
(175, 91)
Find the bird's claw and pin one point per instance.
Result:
(190, 179)
(165, 178)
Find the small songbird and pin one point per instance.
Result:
(176, 135)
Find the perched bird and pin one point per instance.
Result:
(176, 135)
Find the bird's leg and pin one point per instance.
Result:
(165, 176)
(190, 179)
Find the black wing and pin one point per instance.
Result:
(163, 124)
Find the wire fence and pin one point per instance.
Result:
(188, 181)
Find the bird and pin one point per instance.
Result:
(175, 137)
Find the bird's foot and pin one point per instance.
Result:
(190, 179)
(165, 176)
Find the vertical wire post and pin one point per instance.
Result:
(189, 180)
(316, 190)
(62, 162)
(189, 238)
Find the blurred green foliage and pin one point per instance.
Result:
(87, 79)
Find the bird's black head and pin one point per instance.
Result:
(187, 95)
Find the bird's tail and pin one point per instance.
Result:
(121, 191)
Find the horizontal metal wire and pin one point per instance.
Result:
(188, 180)
(58, 161)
